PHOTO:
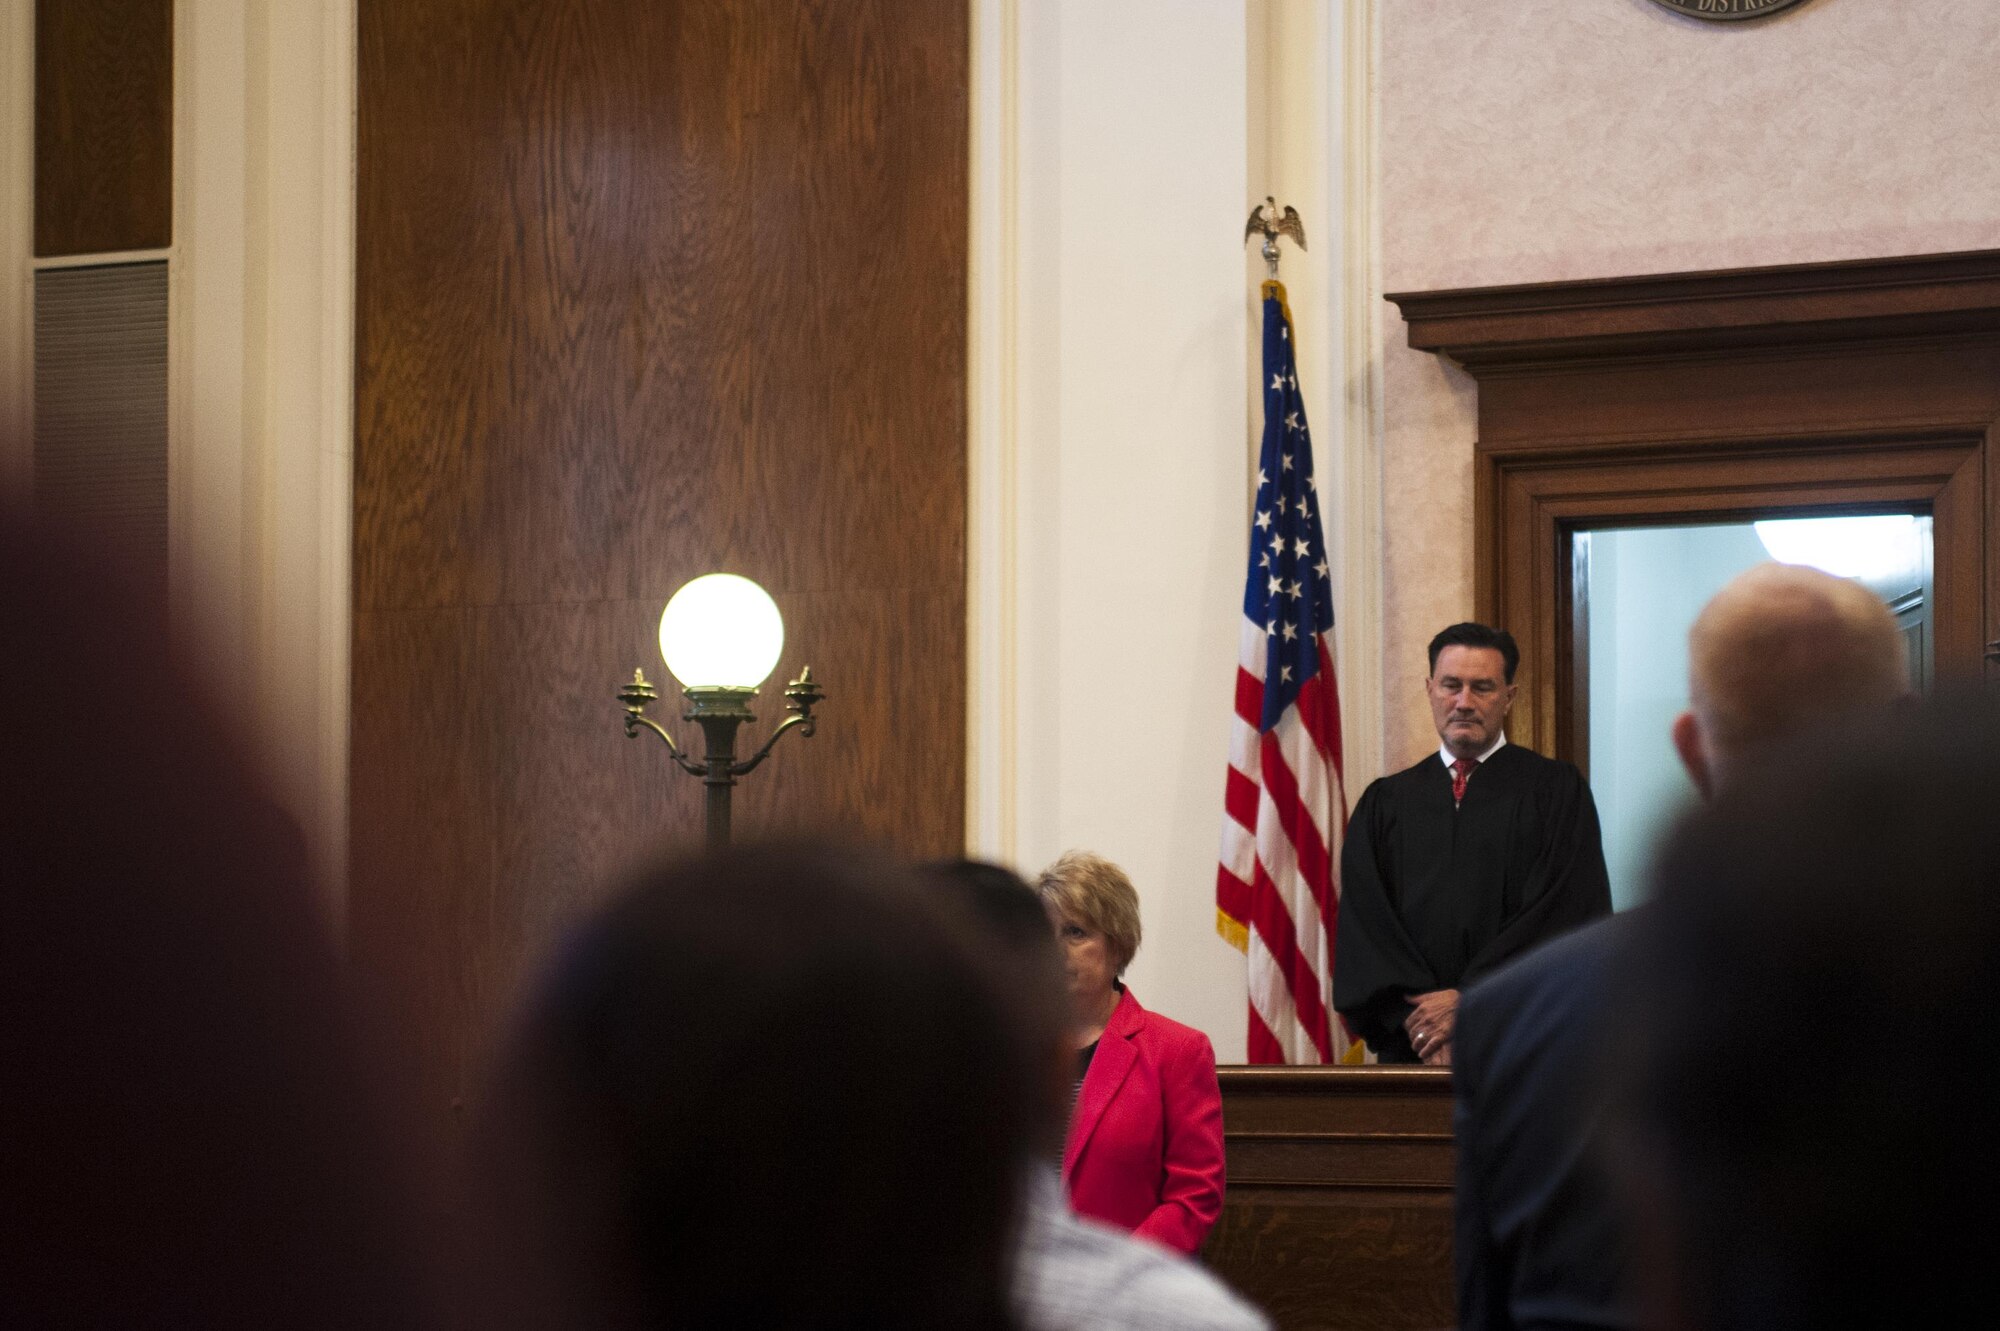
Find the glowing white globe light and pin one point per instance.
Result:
(1865, 548)
(721, 630)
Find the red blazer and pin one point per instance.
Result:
(1145, 1145)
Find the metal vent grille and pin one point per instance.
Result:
(100, 433)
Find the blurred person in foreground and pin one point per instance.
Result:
(1831, 914)
(193, 1131)
(1144, 1149)
(1461, 862)
(1541, 1237)
(772, 1086)
(1071, 1272)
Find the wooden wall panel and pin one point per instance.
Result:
(643, 291)
(104, 117)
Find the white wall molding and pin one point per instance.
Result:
(101, 259)
(1109, 458)
(1352, 62)
(208, 473)
(332, 624)
(992, 430)
(1313, 144)
(1312, 131)
(17, 243)
(1116, 148)
(261, 355)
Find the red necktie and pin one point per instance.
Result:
(1461, 772)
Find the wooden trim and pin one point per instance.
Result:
(1573, 650)
(1370, 1080)
(1253, 1135)
(1991, 580)
(1541, 500)
(1679, 313)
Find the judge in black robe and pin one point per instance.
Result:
(1435, 894)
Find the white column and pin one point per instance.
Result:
(1313, 147)
(1116, 149)
(262, 353)
(1110, 456)
(17, 242)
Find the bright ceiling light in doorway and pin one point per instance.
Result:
(1869, 548)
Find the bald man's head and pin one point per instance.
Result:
(1781, 650)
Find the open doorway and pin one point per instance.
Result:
(1637, 590)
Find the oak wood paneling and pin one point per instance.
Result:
(104, 94)
(1338, 1212)
(643, 291)
(1687, 397)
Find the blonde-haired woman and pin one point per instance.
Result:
(1144, 1150)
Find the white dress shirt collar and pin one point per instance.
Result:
(1449, 757)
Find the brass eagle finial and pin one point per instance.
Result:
(1267, 221)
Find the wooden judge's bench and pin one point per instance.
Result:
(1339, 1205)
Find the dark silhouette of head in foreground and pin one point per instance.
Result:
(188, 1135)
(1016, 936)
(772, 1087)
(1808, 1060)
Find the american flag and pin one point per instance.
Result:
(1277, 891)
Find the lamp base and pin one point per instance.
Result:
(719, 709)
(718, 702)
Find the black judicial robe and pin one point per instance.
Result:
(1433, 895)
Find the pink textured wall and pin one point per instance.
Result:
(1532, 142)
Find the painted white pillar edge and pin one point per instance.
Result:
(1313, 124)
(992, 432)
(260, 357)
(17, 243)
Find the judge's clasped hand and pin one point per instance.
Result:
(1432, 1016)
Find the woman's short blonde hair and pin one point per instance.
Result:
(1095, 893)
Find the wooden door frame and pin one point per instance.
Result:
(1540, 502)
(1829, 388)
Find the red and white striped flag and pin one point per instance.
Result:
(1277, 890)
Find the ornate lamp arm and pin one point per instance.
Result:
(635, 696)
(800, 697)
(719, 709)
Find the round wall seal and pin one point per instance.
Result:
(1724, 11)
